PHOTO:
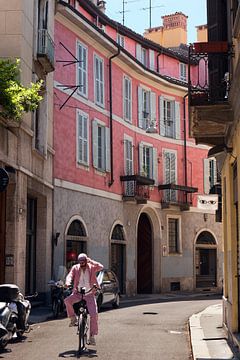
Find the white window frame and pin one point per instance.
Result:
(82, 70)
(169, 115)
(183, 71)
(170, 195)
(129, 164)
(120, 40)
(149, 170)
(209, 173)
(98, 82)
(83, 138)
(97, 126)
(179, 240)
(127, 98)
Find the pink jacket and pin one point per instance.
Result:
(74, 274)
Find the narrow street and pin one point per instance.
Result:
(137, 330)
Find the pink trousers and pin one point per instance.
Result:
(92, 309)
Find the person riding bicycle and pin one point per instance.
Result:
(83, 274)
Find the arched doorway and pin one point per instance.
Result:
(144, 255)
(118, 256)
(75, 242)
(206, 260)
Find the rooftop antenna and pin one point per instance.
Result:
(150, 11)
(123, 8)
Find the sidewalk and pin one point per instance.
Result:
(208, 338)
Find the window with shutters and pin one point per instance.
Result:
(127, 98)
(99, 80)
(170, 175)
(82, 138)
(120, 40)
(169, 112)
(210, 174)
(183, 71)
(141, 54)
(174, 245)
(101, 146)
(146, 107)
(148, 165)
(128, 157)
(82, 72)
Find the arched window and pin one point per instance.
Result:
(118, 255)
(75, 241)
(205, 238)
(117, 233)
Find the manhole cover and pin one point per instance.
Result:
(150, 313)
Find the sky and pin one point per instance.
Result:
(137, 14)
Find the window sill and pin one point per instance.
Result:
(83, 166)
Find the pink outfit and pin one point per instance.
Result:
(74, 277)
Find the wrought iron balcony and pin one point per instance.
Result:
(136, 188)
(210, 113)
(179, 195)
(45, 50)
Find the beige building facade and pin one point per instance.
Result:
(26, 149)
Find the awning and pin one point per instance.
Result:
(140, 180)
(187, 189)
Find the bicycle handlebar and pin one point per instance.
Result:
(89, 290)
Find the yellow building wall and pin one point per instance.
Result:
(202, 35)
(230, 303)
(168, 37)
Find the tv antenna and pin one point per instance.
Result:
(150, 7)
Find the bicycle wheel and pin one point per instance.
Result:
(81, 333)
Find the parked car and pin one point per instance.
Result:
(110, 292)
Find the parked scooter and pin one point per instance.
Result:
(14, 313)
(59, 292)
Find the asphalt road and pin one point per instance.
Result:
(137, 330)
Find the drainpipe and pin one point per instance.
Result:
(185, 142)
(110, 110)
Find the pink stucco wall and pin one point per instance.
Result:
(65, 165)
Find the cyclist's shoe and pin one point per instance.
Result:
(91, 341)
(73, 321)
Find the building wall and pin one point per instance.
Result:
(30, 172)
(85, 192)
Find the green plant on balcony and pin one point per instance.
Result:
(15, 99)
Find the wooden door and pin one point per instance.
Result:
(144, 256)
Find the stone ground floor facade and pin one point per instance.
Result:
(26, 231)
(151, 249)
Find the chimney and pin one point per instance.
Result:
(172, 33)
(102, 5)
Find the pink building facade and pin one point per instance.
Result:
(127, 176)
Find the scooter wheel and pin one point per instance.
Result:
(55, 308)
(3, 344)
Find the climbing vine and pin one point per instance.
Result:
(15, 99)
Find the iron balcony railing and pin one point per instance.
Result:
(46, 48)
(136, 187)
(209, 80)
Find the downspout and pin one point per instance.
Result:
(185, 142)
(111, 115)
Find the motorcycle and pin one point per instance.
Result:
(14, 313)
(59, 292)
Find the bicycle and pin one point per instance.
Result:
(83, 323)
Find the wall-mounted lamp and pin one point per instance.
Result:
(55, 238)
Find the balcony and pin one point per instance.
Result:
(45, 50)
(176, 195)
(136, 188)
(210, 112)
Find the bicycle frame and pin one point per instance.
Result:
(81, 311)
